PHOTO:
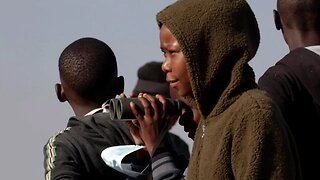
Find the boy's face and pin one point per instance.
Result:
(174, 64)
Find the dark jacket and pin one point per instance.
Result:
(294, 83)
(75, 152)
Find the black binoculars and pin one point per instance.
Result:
(119, 108)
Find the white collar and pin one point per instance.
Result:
(315, 49)
(104, 108)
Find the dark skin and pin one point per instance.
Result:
(146, 128)
(298, 23)
(134, 125)
(175, 68)
(80, 105)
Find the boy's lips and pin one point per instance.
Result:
(173, 83)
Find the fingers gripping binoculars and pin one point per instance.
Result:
(119, 108)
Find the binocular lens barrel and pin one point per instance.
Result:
(120, 108)
(112, 110)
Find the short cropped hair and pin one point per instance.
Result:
(88, 66)
(302, 14)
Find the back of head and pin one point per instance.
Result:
(303, 15)
(88, 66)
(151, 80)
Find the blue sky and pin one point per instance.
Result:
(33, 33)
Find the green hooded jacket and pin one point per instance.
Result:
(242, 134)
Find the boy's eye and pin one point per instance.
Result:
(164, 53)
(169, 52)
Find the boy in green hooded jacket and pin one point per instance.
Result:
(207, 45)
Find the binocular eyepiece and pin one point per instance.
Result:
(119, 108)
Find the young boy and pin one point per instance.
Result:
(89, 77)
(294, 81)
(207, 45)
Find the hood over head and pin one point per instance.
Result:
(218, 38)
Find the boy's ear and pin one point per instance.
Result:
(119, 85)
(60, 92)
(276, 18)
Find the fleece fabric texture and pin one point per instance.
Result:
(242, 134)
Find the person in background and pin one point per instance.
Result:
(241, 133)
(151, 80)
(294, 81)
(89, 77)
